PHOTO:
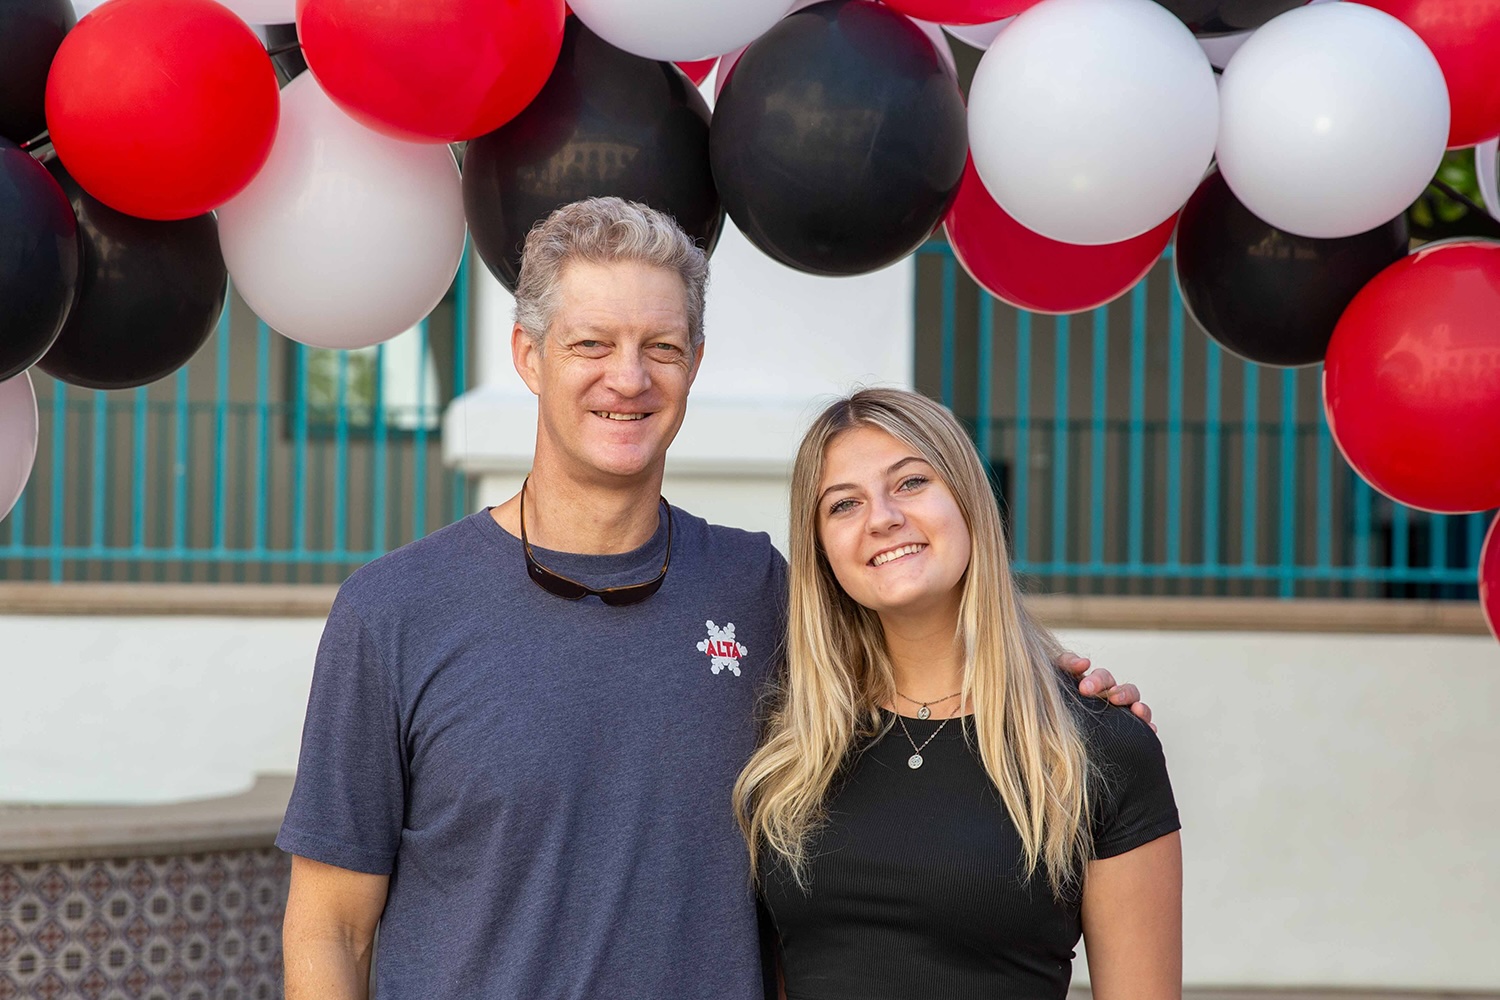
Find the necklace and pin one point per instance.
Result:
(915, 760)
(924, 712)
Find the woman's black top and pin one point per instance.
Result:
(915, 884)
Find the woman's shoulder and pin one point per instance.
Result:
(1131, 791)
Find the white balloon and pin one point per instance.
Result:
(250, 11)
(263, 11)
(346, 237)
(18, 433)
(1092, 121)
(1335, 118)
(979, 36)
(680, 30)
(1487, 169)
(1221, 48)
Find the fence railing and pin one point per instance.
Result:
(1134, 455)
(260, 461)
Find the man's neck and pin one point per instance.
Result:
(565, 515)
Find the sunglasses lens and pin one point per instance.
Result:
(621, 596)
(554, 584)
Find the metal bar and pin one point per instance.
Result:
(1136, 552)
(1213, 409)
(299, 490)
(1098, 441)
(1460, 576)
(1021, 503)
(138, 470)
(419, 456)
(221, 429)
(1325, 494)
(341, 458)
(1174, 426)
(98, 503)
(59, 471)
(180, 426)
(1248, 494)
(950, 285)
(379, 448)
(262, 418)
(461, 371)
(986, 366)
(1287, 531)
(1061, 337)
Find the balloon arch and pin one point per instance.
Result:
(148, 155)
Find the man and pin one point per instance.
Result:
(525, 782)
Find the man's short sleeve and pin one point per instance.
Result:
(348, 802)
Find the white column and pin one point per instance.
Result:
(779, 344)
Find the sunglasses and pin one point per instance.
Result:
(572, 590)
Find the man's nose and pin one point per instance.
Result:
(628, 374)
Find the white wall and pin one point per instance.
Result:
(1338, 793)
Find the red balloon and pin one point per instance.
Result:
(1033, 272)
(1411, 382)
(431, 70)
(163, 109)
(1489, 577)
(1465, 38)
(698, 70)
(960, 11)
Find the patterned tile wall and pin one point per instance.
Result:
(194, 927)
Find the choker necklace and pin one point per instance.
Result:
(915, 760)
(924, 712)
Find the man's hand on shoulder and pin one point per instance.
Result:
(1100, 683)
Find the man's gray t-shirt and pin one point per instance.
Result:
(546, 782)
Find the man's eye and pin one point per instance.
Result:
(668, 348)
(839, 506)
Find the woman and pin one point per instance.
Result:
(934, 812)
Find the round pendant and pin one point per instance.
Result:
(924, 712)
(914, 761)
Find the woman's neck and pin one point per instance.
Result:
(926, 651)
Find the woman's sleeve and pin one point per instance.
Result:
(1131, 801)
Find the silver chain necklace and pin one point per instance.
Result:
(915, 760)
(924, 712)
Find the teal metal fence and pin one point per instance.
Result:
(1133, 455)
(260, 461)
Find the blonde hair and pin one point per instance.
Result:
(838, 671)
(602, 231)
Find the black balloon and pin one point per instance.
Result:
(149, 295)
(839, 140)
(1265, 294)
(30, 32)
(38, 260)
(606, 123)
(1225, 17)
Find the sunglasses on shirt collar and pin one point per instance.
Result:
(570, 589)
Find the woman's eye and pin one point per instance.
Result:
(912, 482)
(839, 506)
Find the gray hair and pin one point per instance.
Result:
(602, 231)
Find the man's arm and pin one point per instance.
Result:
(1101, 683)
(329, 933)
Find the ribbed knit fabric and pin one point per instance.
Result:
(916, 889)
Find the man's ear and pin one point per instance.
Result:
(526, 355)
